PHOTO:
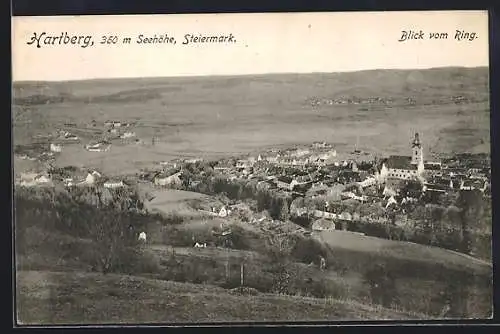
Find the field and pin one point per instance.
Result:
(403, 250)
(177, 201)
(83, 298)
(219, 116)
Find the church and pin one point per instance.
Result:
(405, 167)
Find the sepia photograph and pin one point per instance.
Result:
(251, 168)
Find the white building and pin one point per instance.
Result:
(127, 135)
(113, 184)
(224, 212)
(405, 167)
(285, 182)
(98, 147)
(142, 237)
(92, 177)
(55, 148)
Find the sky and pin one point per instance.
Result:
(265, 43)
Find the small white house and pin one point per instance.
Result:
(33, 179)
(42, 179)
(55, 148)
(142, 237)
(91, 177)
(390, 202)
(113, 184)
(99, 147)
(127, 135)
(223, 212)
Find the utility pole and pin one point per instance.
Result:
(241, 273)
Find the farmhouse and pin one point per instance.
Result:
(33, 179)
(55, 148)
(224, 212)
(127, 135)
(92, 177)
(98, 147)
(142, 237)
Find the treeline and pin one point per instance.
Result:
(207, 182)
(109, 220)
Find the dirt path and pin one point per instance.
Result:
(209, 252)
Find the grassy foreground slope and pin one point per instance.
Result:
(86, 298)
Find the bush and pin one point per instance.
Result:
(308, 250)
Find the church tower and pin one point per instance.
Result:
(417, 157)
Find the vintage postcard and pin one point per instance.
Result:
(251, 168)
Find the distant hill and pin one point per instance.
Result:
(453, 78)
(449, 108)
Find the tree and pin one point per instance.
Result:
(284, 212)
(411, 189)
(279, 248)
(382, 285)
(472, 205)
(113, 246)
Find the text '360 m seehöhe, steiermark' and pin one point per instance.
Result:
(67, 39)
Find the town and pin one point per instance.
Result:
(316, 187)
(346, 203)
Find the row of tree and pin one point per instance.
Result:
(108, 219)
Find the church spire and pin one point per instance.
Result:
(416, 141)
(417, 153)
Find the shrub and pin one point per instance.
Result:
(308, 250)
